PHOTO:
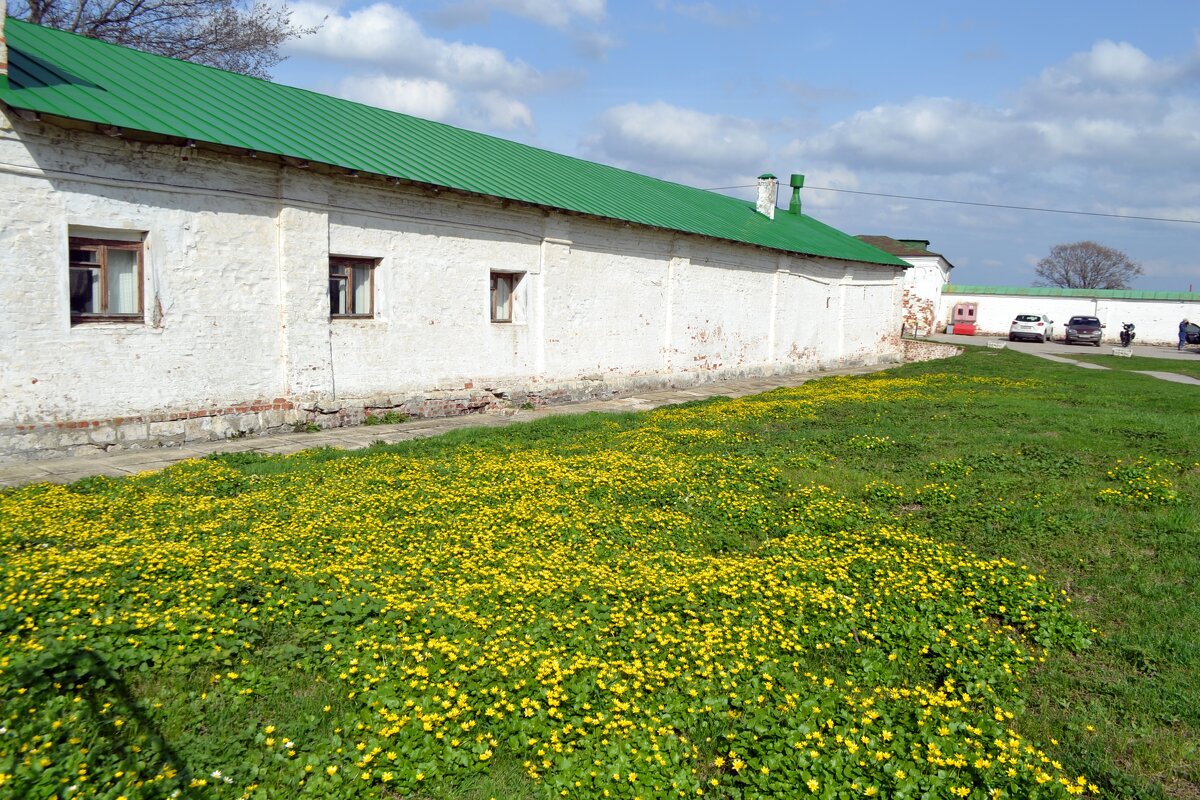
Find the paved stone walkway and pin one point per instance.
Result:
(131, 462)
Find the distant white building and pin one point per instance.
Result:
(929, 299)
(1156, 315)
(923, 283)
(192, 254)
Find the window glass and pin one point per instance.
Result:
(85, 291)
(337, 295)
(362, 290)
(122, 282)
(351, 287)
(105, 278)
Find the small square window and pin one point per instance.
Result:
(352, 287)
(105, 280)
(503, 290)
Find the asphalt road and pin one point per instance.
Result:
(1058, 347)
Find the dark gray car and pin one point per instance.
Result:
(1084, 330)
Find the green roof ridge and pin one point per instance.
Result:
(67, 75)
(1056, 291)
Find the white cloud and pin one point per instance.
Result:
(575, 19)
(504, 113)
(925, 135)
(1110, 105)
(419, 97)
(434, 100)
(558, 14)
(386, 36)
(554, 13)
(662, 139)
(1112, 64)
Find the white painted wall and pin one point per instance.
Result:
(1157, 321)
(237, 308)
(922, 290)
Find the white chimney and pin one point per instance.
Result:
(768, 193)
(3, 41)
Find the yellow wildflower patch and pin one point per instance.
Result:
(642, 609)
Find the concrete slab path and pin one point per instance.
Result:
(1057, 347)
(1060, 352)
(131, 462)
(1174, 377)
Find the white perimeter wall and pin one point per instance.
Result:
(237, 309)
(1157, 321)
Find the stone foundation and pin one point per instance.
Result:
(281, 415)
(913, 350)
(176, 428)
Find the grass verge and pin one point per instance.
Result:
(970, 578)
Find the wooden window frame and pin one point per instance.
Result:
(102, 247)
(349, 264)
(514, 280)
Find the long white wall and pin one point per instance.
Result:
(1157, 321)
(237, 335)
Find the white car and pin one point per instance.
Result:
(1031, 326)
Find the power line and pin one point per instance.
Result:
(984, 205)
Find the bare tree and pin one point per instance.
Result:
(220, 33)
(1086, 265)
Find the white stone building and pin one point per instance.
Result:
(928, 300)
(923, 282)
(190, 254)
(1156, 315)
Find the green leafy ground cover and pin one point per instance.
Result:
(973, 578)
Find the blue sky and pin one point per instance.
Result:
(1069, 105)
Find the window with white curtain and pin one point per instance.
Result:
(105, 280)
(351, 287)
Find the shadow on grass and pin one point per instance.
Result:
(136, 743)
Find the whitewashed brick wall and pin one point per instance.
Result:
(237, 337)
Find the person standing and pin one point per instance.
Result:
(1183, 327)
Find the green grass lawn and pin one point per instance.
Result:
(969, 578)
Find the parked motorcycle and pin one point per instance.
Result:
(1127, 334)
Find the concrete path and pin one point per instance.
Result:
(1061, 360)
(1060, 348)
(1060, 352)
(131, 462)
(1174, 377)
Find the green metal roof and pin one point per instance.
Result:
(1053, 291)
(69, 76)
